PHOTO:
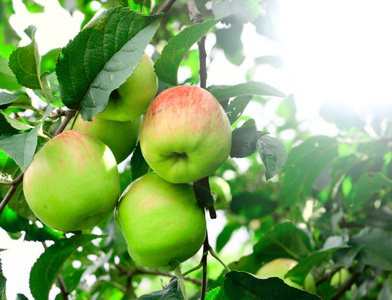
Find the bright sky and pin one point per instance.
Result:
(333, 50)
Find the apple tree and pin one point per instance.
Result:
(315, 210)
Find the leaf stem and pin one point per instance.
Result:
(165, 7)
(218, 259)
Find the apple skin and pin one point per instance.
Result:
(134, 95)
(73, 182)
(121, 137)
(221, 188)
(185, 134)
(279, 268)
(161, 222)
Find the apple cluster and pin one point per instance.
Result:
(73, 182)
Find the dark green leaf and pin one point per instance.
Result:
(284, 240)
(13, 123)
(48, 266)
(6, 98)
(242, 11)
(7, 78)
(170, 292)
(241, 285)
(305, 162)
(103, 55)
(236, 107)
(244, 139)
(217, 293)
(166, 66)
(139, 166)
(252, 205)
(377, 245)
(204, 196)
(21, 147)
(223, 92)
(225, 235)
(273, 155)
(369, 184)
(24, 62)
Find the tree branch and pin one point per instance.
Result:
(345, 287)
(206, 247)
(165, 7)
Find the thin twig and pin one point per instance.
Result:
(60, 281)
(346, 286)
(165, 7)
(206, 247)
(11, 192)
(68, 116)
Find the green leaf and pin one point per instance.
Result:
(244, 139)
(6, 98)
(253, 205)
(216, 294)
(369, 184)
(7, 78)
(21, 147)
(170, 292)
(299, 272)
(242, 11)
(166, 66)
(139, 166)
(284, 240)
(14, 123)
(33, 7)
(204, 196)
(305, 162)
(224, 92)
(236, 107)
(273, 155)
(49, 265)
(103, 55)
(225, 235)
(377, 245)
(241, 285)
(25, 62)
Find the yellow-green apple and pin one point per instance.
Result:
(279, 268)
(222, 190)
(73, 182)
(185, 134)
(161, 222)
(133, 97)
(121, 137)
(340, 277)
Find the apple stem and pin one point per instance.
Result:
(213, 253)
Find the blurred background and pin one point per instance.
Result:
(331, 58)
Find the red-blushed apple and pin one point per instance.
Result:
(222, 190)
(279, 268)
(185, 134)
(133, 97)
(161, 222)
(121, 137)
(73, 182)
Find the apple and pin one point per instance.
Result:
(121, 137)
(161, 222)
(279, 268)
(340, 277)
(133, 97)
(185, 134)
(73, 182)
(221, 188)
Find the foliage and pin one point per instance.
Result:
(328, 206)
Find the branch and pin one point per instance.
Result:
(206, 247)
(345, 287)
(60, 281)
(165, 7)
(68, 116)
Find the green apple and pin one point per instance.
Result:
(161, 222)
(185, 134)
(121, 137)
(221, 188)
(133, 97)
(73, 182)
(279, 268)
(340, 277)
